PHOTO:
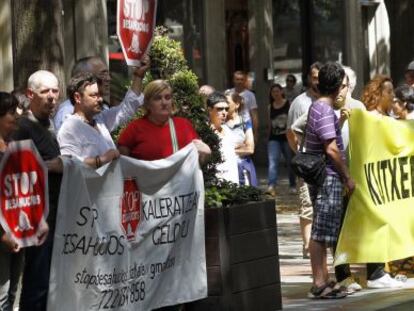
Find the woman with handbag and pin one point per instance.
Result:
(244, 140)
(278, 144)
(159, 134)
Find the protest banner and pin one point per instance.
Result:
(378, 224)
(135, 28)
(130, 236)
(23, 193)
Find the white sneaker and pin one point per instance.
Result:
(351, 285)
(386, 281)
(271, 191)
(292, 190)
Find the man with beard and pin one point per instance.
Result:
(97, 67)
(299, 107)
(87, 133)
(323, 136)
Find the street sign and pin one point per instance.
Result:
(135, 28)
(24, 199)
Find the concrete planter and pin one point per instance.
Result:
(242, 259)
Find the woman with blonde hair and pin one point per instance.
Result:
(159, 134)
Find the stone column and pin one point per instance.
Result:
(354, 43)
(215, 43)
(261, 63)
(6, 52)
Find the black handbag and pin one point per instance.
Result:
(309, 166)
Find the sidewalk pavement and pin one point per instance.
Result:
(296, 277)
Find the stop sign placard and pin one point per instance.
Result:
(130, 208)
(24, 195)
(135, 28)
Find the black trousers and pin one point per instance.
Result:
(374, 270)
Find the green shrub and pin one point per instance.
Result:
(168, 63)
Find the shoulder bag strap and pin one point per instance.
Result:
(174, 141)
(304, 130)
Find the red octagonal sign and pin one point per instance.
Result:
(135, 27)
(130, 208)
(23, 192)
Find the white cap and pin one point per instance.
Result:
(410, 66)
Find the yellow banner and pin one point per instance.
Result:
(379, 222)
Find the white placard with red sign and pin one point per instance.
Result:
(23, 192)
(135, 28)
(130, 236)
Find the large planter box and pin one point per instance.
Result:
(242, 259)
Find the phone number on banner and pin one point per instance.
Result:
(118, 297)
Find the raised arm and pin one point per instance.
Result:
(121, 114)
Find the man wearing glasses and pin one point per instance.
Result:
(290, 90)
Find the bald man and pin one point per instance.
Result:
(43, 93)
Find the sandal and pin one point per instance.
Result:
(330, 290)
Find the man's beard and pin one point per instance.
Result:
(339, 103)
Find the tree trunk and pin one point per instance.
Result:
(37, 39)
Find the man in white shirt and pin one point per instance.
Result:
(97, 67)
(250, 105)
(87, 133)
(299, 107)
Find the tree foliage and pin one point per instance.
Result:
(168, 63)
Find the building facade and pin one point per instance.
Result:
(266, 38)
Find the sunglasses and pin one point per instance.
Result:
(221, 108)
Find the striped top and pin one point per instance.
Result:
(322, 127)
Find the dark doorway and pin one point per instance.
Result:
(237, 36)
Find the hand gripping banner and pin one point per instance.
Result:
(130, 236)
(378, 224)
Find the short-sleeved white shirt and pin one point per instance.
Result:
(299, 106)
(81, 140)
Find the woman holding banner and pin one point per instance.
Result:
(11, 258)
(158, 134)
(377, 96)
(403, 109)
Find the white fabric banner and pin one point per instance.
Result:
(134, 247)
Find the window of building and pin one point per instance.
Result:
(287, 30)
(328, 30)
(184, 19)
(305, 32)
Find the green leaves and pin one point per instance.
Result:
(168, 63)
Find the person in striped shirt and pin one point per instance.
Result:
(323, 136)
